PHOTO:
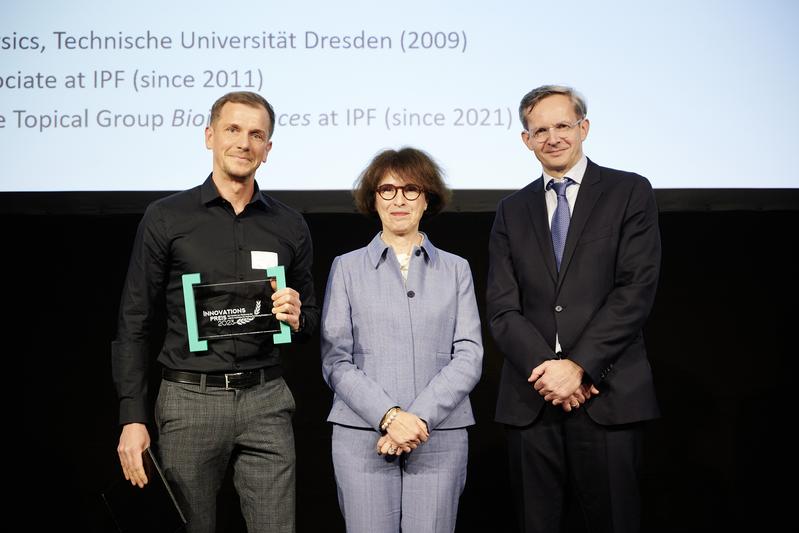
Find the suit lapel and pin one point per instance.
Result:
(590, 191)
(537, 212)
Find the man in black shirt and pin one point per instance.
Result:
(226, 404)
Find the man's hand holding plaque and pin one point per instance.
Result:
(286, 306)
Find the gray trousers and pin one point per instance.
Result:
(204, 429)
(415, 493)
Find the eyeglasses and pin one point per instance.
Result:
(561, 129)
(410, 191)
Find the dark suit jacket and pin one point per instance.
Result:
(597, 304)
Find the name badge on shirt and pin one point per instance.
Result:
(263, 260)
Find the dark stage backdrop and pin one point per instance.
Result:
(718, 343)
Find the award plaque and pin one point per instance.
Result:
(224, 310)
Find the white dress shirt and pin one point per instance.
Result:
(576, 174)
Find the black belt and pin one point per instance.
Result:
(233, 380)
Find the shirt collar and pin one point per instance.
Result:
(576, 172)
(209, 194)
(376, 250)
(259, 198)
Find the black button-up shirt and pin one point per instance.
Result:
(198, 231)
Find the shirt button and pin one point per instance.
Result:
(411, 294)
(418, 253)
(558, 308)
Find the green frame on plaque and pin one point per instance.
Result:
(197, 345)
(279, 273)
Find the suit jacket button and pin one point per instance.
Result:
(558, 308)
(411, 294)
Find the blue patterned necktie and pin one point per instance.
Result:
(560, 220)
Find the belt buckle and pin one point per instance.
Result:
(227, 379)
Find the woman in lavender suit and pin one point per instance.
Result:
(401, 350)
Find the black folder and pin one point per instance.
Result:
(152, 509)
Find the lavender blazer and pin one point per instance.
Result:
(386, 342)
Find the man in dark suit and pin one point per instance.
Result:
(574, 264)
